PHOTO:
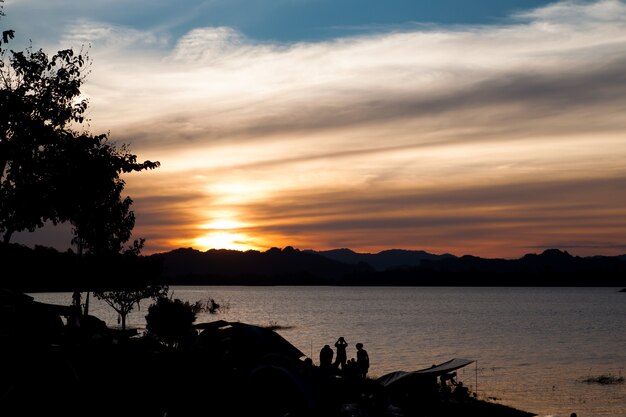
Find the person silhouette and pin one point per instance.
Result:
(449, 377)
(341, 357)
(351, 368)
(461, 392)
(362, 360)
(326, 357)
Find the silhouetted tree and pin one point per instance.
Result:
(170, 321)
(101, 217)
(124, 301)
(48, 170)
(125, 279)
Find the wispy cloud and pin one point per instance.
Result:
(219, 85)
(488, 138)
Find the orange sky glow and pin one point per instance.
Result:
(492, 140)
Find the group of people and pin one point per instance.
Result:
(357, 367)
(447, 381)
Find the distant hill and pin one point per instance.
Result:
(272, 267)
(381, 261)
(291, 266)
(552, 267)
(45, 269)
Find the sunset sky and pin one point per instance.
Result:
(492, 128)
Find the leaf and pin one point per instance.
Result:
(7, 34)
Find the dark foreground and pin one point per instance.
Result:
(225, 369)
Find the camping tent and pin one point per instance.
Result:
(245, 343)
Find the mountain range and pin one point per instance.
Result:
(46, 269)
(289, 266)
(381, 261)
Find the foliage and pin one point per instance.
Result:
(273, 325)
(6, 34)
(170, 320)
(124, 301)
(132, 277)
(93, 201)
(49, 171)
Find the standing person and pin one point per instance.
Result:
(362, 360)
(341, 357)
(326, 357)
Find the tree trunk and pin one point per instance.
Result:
(87, 304)
(76, 301)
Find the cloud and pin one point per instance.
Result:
(111, 37)
(460, 220)
(216, 84)
(576, 13)
(207, 45)
(430, 135)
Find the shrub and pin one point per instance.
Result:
(170, 321)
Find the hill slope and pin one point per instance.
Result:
(381, 261)
(291, 266)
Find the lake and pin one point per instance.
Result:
(533, 347)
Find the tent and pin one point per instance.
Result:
(445, 367)
(245, 343)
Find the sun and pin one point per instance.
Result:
(223, 240)
(225, 230)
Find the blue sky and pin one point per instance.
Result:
(289, 21)
(263, 20)
(494, 128)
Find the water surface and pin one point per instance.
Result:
(532, 346)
